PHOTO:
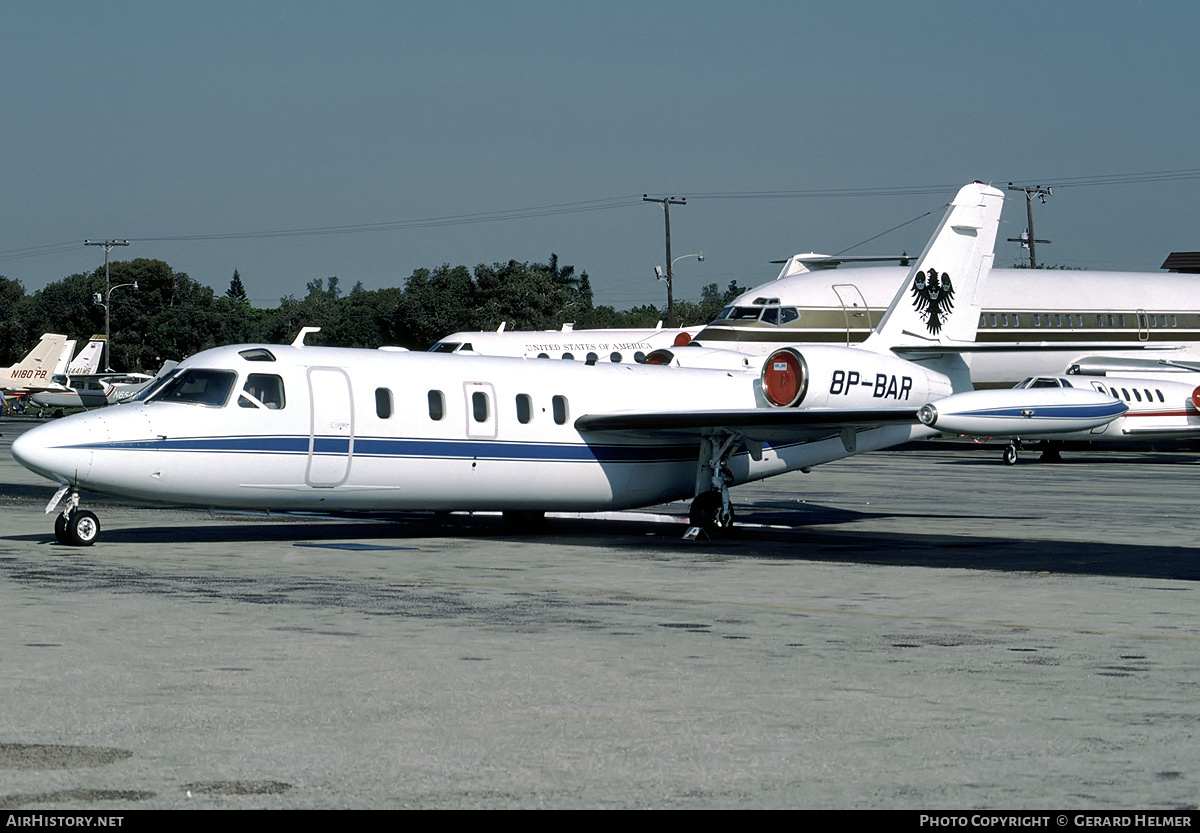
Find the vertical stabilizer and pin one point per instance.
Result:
(38, 366)
(64, 358)
(88, 360)
(939, 302)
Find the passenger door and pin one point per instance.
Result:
(331, 433)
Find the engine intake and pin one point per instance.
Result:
(785, 378)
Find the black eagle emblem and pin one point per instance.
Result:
(933, 297)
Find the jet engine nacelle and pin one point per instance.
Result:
(847, 377)
(1021, 411)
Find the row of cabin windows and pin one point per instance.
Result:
(1070, 319)
(480, 406)
(1123, 393)
(592, 358)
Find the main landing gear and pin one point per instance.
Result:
(74, 527)
(1051, 452)
(712, 511)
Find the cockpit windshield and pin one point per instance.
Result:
(196, 387)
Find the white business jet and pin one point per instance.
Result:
(313, 428)
(1157, 406)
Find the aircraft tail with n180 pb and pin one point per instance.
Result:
(316, 428)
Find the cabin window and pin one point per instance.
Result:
(1174, 323)
(592, 358)
(992, 319)
(1004, 319)
(560, 410)
(639, 357)
(383, 403)
(437, 405)
(569, 357)
(543, 355)
(1125, 394)
(480, 409)
(524, 408)
(982, 320)
(1120, 320)
(1137, 395)
(614, 357)
(1161, 398)
(262, 390)
(257, 354)
(199, 387)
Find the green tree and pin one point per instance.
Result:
(236, 291)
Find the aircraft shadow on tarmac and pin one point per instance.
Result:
(809, 533)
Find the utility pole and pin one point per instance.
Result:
(666, 203)
(108, 246)
(1028, 237)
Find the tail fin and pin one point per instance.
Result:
(37, 368)
(88, 360)
(43, 356)
(939, 302)
(64, 358)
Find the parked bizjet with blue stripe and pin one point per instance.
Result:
(314, 428)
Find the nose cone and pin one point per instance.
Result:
(59, 450)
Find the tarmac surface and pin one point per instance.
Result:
(917, 629)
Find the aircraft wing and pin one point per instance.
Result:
(760, 424)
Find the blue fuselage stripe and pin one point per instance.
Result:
(401, 447)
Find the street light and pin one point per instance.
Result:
(658, 273)
(108, 246)
(102, 299)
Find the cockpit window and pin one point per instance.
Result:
(445, 347)
(154, 387)
(746, 313)
(198, 387)
(262, 390)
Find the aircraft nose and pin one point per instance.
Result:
(58, 450)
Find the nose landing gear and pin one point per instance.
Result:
(80, 528)
(74, 527)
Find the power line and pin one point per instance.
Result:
(607, 204)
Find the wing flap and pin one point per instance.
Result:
(766, 424)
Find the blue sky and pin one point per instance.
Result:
(193, 130)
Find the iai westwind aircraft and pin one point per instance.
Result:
(298, 427)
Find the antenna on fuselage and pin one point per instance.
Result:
(299, 342)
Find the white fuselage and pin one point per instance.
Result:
(338, 429)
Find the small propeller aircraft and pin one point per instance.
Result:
(320, 428)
